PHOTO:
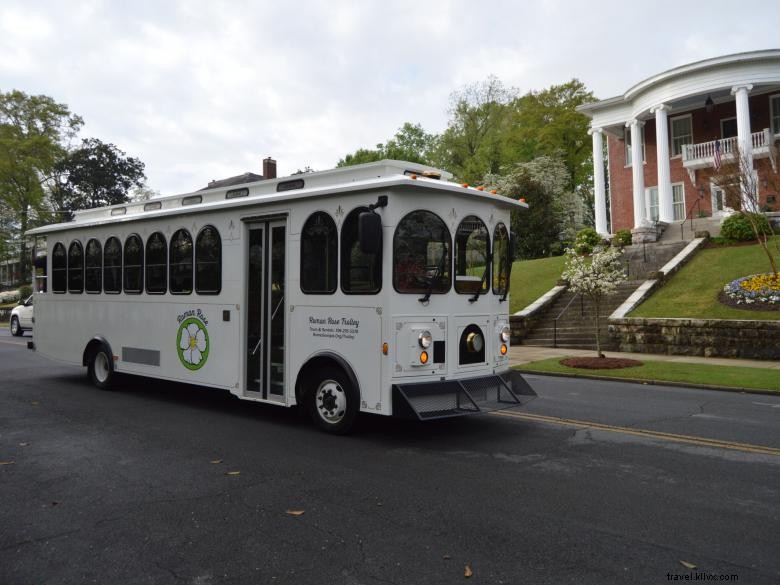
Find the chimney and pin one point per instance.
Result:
(269, 168)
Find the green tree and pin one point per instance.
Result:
(410, 143)
(95, 175)
(34, 131)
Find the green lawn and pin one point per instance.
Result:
(693, 291)
(531, 279)
(722, 376)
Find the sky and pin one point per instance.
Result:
(202, 90)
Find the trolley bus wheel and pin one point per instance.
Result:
(15, 328)
(332, 401)
(101, 369)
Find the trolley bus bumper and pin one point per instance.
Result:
(444, 399)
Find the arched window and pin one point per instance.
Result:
(134, 265)
(180, 263)
(472, 263)
(501, 260)
(319, 254)
(156, 264)
(361, 273)
(59, 269)
(75, 268)
(112, 266)
(422, 254)
(93, 270)
(208, 261)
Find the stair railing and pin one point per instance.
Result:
(689, 216)
(555, 321)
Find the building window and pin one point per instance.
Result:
(651, 196)
(627, 139)
(112, 266)
(59, 269)
(774, 108)
(180, 273)
(682, 133)
(421, 254)
(319, 254)
(361, 273)
(134, 265)
(75, 268)
(472, 242)
(156, 264)
(208, 261)
(93, 271)
(678, 201)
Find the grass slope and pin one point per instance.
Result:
(720, 376)
(531, 279)
(693, 291)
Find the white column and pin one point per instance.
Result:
(665, 203)
(600, 192)
(743, 133)
(638, 171)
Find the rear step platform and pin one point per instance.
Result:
(444, 399)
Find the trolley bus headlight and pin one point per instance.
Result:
(505, 334)
(425, 340)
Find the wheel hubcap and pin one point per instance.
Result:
(331, 401)
(101, 367)
(14, 326)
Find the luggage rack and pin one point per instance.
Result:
(449, 398)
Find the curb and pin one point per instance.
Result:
(732, 389)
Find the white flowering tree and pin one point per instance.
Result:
(595, 276)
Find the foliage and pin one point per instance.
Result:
(587, 239)
(94, 175)
(595, 277)
(739, 227)
(24, 292)
(622, 238)
(541, 182)
(34, 132)
(411, 143)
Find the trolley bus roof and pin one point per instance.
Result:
(367, 177)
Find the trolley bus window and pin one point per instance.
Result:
(134, 265)
(156, 264)
(59, 269)
(208, 262)
(501, 259)
(112, 266)
(319, 254)
(181, 263)
(361, 273)
(472, 243)
(421, 254)
(75, 268)
(93, 271)
(39, 264)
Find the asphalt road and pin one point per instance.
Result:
(594, 482)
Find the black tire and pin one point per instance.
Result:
(16, 329)
(100, 368)
(331, 400)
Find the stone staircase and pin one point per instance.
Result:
(681, 231)
(569, 321)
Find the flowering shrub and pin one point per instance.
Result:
(586, 240)
(757, 287)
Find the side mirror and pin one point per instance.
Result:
(370, 232)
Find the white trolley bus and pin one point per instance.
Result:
(378, 288)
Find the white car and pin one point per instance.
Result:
(22, 317)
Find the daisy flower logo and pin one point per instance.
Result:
(192, 343)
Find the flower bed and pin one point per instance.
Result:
(756, 288)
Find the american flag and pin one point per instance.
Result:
(716, 162)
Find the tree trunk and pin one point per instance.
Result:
(597, 305)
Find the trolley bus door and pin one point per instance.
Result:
(265, 342)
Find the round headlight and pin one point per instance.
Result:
(505, 334)
(424, 339)
(475, 342)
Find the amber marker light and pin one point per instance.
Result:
(493, 192)
(522, 199)
(464, 185)
(413, 177)
(385, 348)
(503, 349)
(423, 357)
(480, 188)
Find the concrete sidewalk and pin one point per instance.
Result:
(522, 354)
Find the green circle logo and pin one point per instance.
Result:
(192, 343)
